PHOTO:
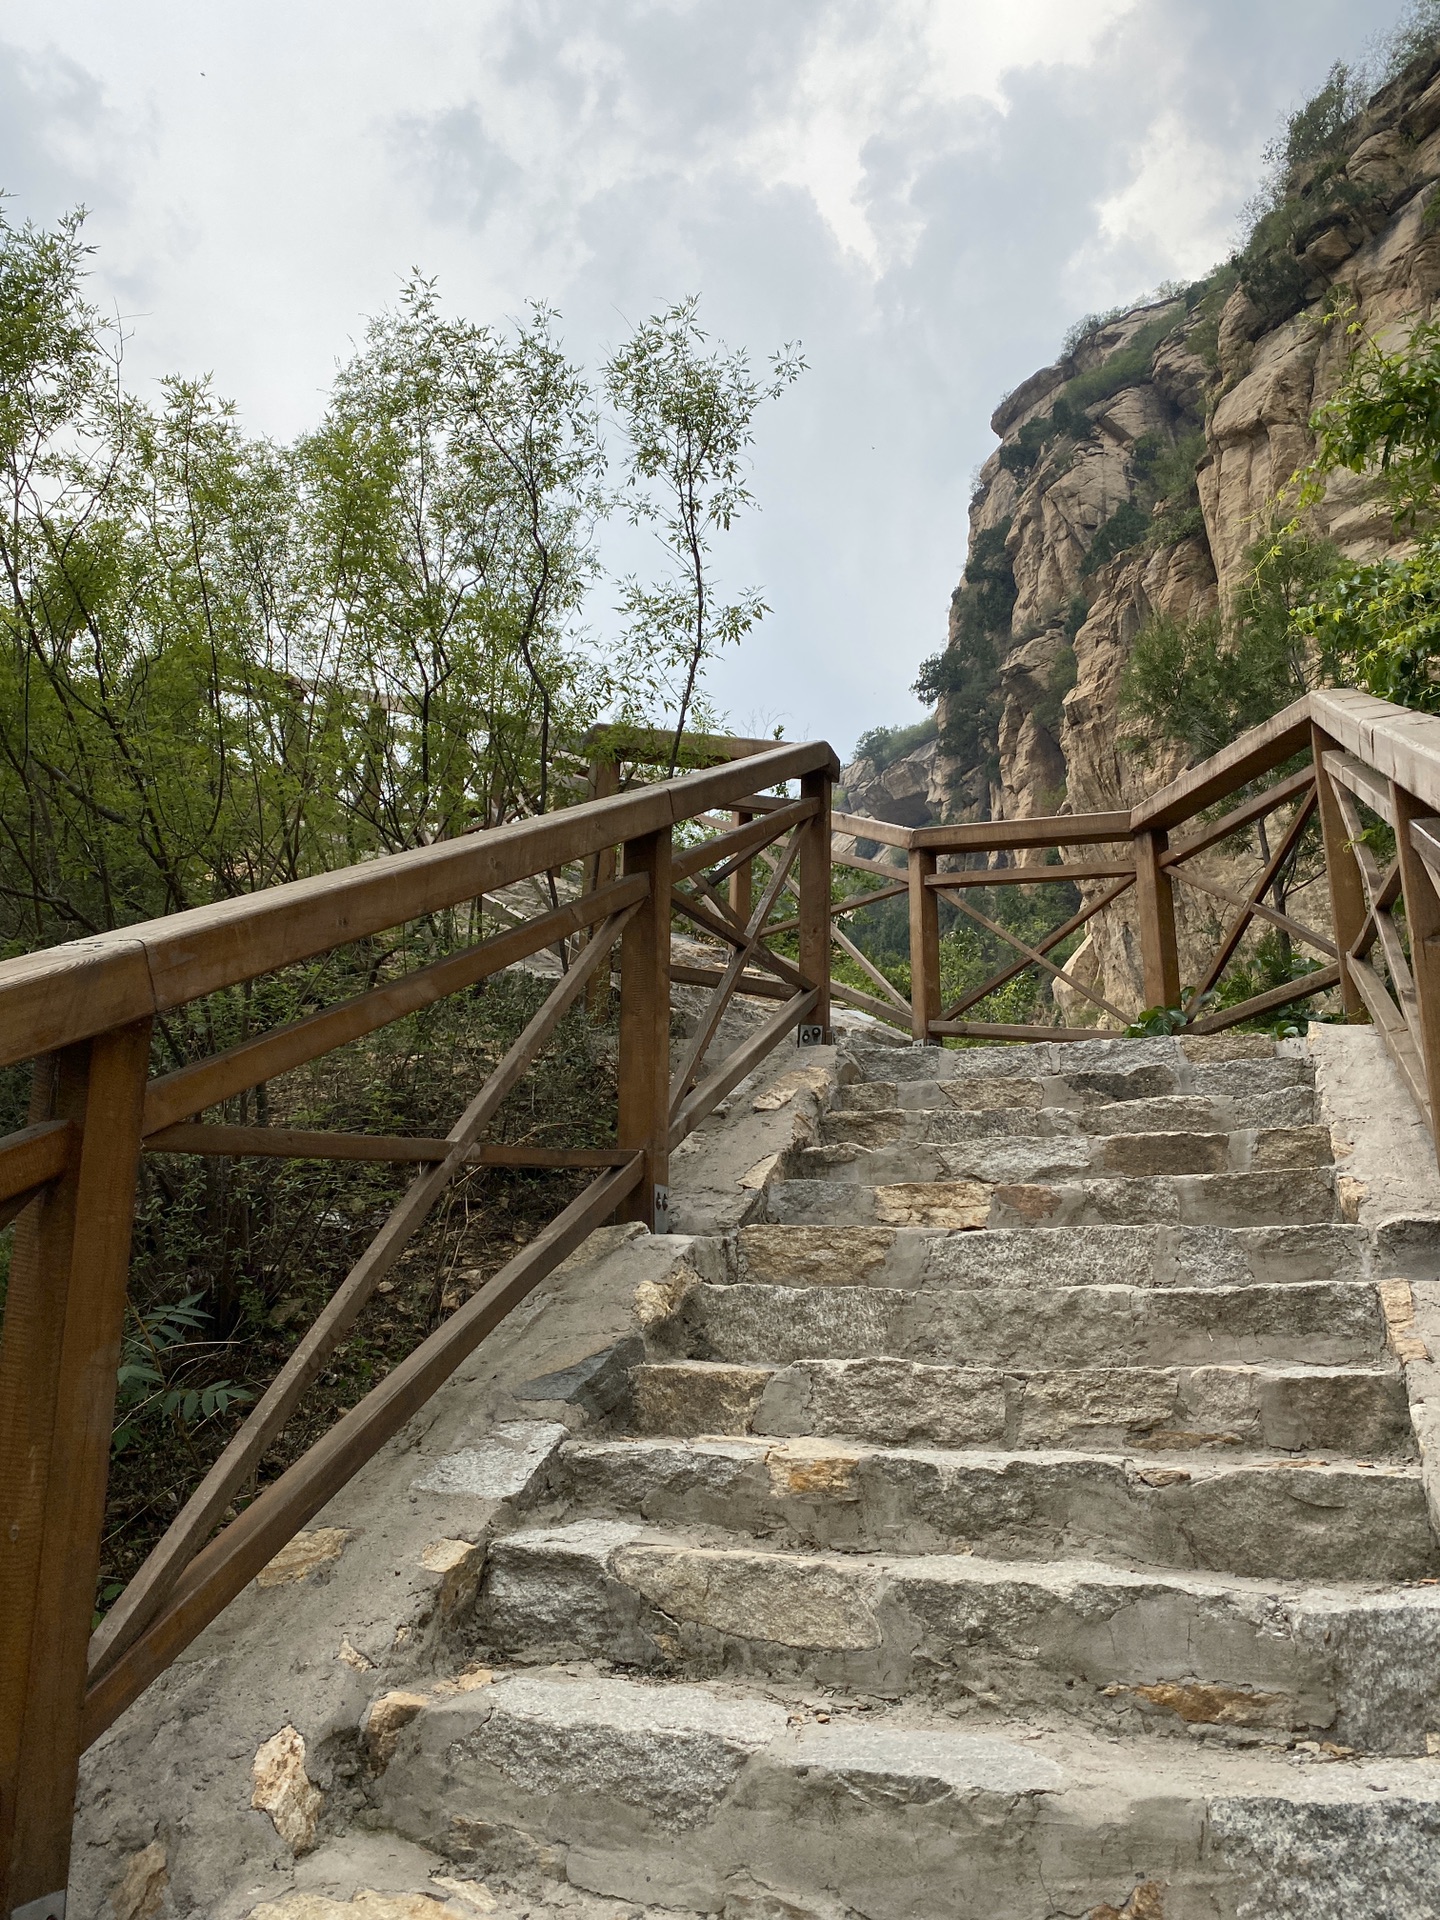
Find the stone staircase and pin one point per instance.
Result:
(1021, 1519)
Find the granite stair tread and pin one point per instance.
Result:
(1295, 1408)
(1144, 1647)
(670, 1793)
(1326, 1517)
(1028, 1492)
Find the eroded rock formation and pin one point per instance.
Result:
(1133, 476)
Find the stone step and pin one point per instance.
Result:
(1317, 1323)
(1277, 1519)
(893, 1402)
(1129, 1651)
(1292, 1197)
(1064, 1157)
(863, 1058)
(1122, 1082)
(1040, 1257)
(710, 1797)
(870, 1123)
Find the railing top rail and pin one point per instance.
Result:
(1258, 751)
(1395, 741)
(62, 994)
(651, 746)
(884, 832)
(1040, 830)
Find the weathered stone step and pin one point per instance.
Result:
(1275, 1092)
(870, 1123)
(815, 1256)
(1316, 1323)
(895, 1402)
(865, 1058)
(705, 1797)
(1073, 1156)
(1272, 1519)
(1129, 1650)
(1292, 1197)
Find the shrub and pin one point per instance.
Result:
(1125, 527)
(1201, 682)
(966, 675)
(883, 746)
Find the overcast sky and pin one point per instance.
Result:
(923, 192)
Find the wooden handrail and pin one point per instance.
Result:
(83, 1011)
(1367, 753)
(1044, 830)
(68, 993)
(1255, 753)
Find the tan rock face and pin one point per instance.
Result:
(813, 1470)
(1219, 1706)
(459, 1563)
(142, 1885)
(695, 1399)
(384, 1720)
(281, 1787)
(814, 1256)
(939, 1203)
(792, 1603)
(308, 1555)
(1250, 381)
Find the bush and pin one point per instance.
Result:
(883, 746)
(1125, 527)
(970, 954)
(966, 675)
(233, 1259)
(1201, 682)
(1378, 626)
(1049, 708)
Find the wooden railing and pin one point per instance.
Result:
(1370, 770)
(83, 1013)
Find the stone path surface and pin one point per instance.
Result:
(1019, 1515)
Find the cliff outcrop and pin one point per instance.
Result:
(1134, 476)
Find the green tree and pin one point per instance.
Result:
(1378, 623)
(1199, 683)
(450, 497)
(688, 410)
(965, 677)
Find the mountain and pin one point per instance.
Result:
(1135, 474)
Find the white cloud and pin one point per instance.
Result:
(1178, 208)
(926, 191)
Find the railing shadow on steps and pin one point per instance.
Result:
(744, 853)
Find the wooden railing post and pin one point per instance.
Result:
(1159, 953)
(644, 1119)
(600, 869)
(742, 881)
(1422, 919)
(924, 946)
(815, 905)
(1342, 870)
(64, 1319)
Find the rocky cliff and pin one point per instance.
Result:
(1134, 474)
